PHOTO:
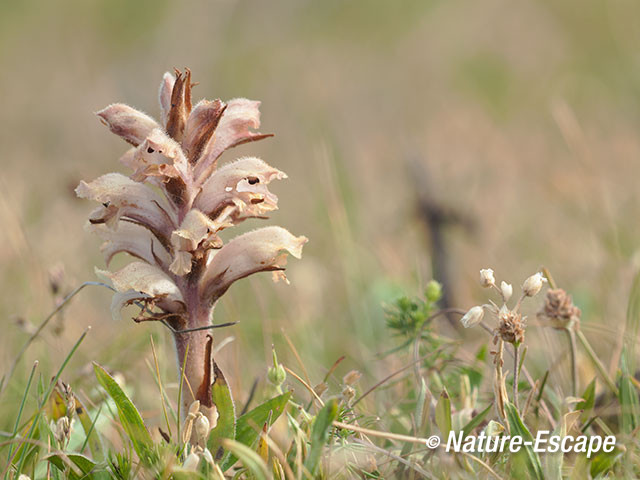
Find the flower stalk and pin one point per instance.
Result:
(168, 214)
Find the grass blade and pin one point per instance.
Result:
(129, 416)
(517, 427)
(320, 433)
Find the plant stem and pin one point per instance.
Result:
(515, 375)
(596, 361)
(571, 337)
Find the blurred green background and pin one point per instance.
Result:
(525, 115)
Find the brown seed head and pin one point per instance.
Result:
(511, 326)
(559, 310)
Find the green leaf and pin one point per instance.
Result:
(81, 465)
(629, 407)
(443, 413)
(250, 459)
(319, 434)
(129, 416)
(517, 427)
(249, 425)
(604, 462)
(226, 426)
(88, 425)
(588, 401)
(475, 421)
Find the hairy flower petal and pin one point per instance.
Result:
(240, 116)
(195, 228)
(122, 299)
(242, 183)
(147, 280)
(164, 96)
(257, 251)
(132, 239)
(133, 200)
(127, 122)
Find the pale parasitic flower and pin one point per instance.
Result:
(168, 214)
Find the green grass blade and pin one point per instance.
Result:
(475, 421)
(129, 415)
(443, 413)
(320, 433)
(517, 427)
(45, 398)
(250, 459)
(88, 425)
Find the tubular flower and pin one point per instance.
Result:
(169, 211)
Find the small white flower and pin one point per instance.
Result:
(192, 461)
(202, 427)
(24, 477)
(486, 278)
(533, 284)
(206, 454)
(507, 290)
(472, 317)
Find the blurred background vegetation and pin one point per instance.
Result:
(523, 116)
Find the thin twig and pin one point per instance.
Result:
(306, 385)
(196, 329)
(483, 464)
(596, 361)
(384, 380)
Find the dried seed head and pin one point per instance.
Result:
(62, 429)
(352, 377)
(510, 326)
(320, 388)
(486, 278)
(507, 290)
(472, 317)
(559, 310)
(348, 394)
(533, 284)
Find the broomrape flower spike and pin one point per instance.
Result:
(168, 214)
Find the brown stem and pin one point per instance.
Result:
(193, 351)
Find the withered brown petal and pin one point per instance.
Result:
(200, 128)
(180, 105)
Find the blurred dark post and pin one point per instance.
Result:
(437, 217)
